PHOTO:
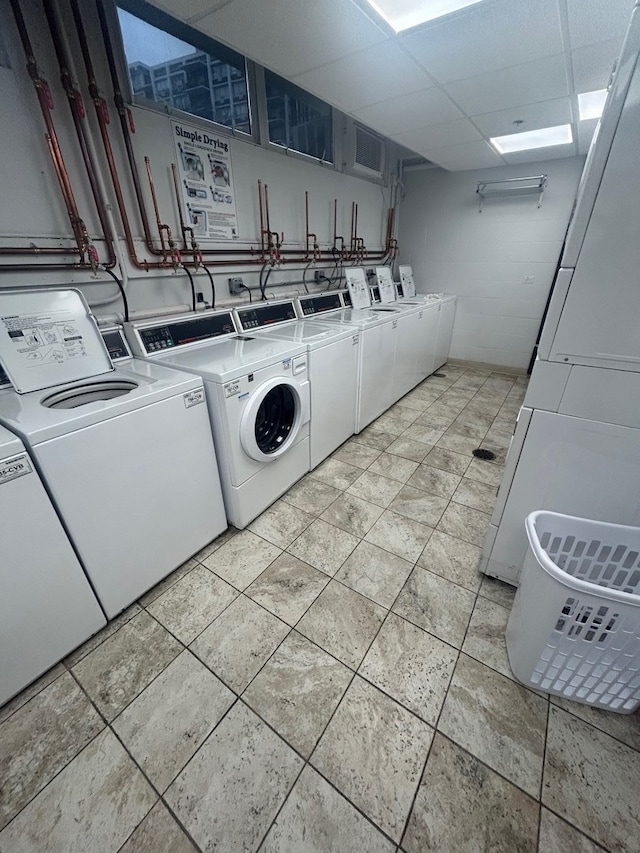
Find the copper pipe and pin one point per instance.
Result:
(156, 209)
(185, 229)
(261, 216)
(77, 113)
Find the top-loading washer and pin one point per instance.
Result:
(47, 606)
(126, 454)
(333, 368)
(258, 398)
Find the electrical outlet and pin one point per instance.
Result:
(236, 285)
(318, 276)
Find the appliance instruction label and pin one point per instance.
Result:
(358, 288)
(206, 183)
(47, 338)
(385, 284)
(11, 469)
(406, 279)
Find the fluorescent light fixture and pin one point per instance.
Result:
(404, 14)
(543, 138)
(591, 104)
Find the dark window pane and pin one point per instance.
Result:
(297, 119)
(172, 65)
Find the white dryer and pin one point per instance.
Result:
(47, 607)
(258, 398)
(333, 368)
(126, 455)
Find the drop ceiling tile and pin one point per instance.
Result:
(487, 37)
(556, 152)
(592, 64)
(471, 155)
(533, 116)
(290, 36)
(189, 10)
(363, 78)
(529, 83)
(592, 21)
(586, 129)
(421, 109)
(452, 133)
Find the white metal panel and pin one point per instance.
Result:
(47, 607)
(546, 385)
(405, 370)
(377, 360)
(428, 340)
(560, 290)
(612, 397)
(445, 332)
(569, 465)
(142, 495)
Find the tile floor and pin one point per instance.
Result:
(333, 678)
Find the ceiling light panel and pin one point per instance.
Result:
(543, 138)
(591, 104)
(404, 14)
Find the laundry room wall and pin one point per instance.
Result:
(500, 263)
(33, 215)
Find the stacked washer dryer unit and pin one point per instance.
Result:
(258, 397)
(333, 368)
(126, 455)
(47, 607)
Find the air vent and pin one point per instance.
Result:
(369, 151)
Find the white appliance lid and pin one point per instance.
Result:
(406, 278)
(48, 337)
(360, 318)
(312, 333)
(358, 288)
(10, 444)
(386, 287)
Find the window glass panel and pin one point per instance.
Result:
(297, 119)
(171, 64)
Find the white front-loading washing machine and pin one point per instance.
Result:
(258, 397)
(333, 368)
(47, 606)
(126, 454)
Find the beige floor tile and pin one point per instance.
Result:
(485, 472)
(352, 514)
(485, 638)
(452, 559)
(312, 496)
(434, 481)
(228, 794)
(281, 523)
(419, 505)
(447, 460)
(239, 642)
(287, 588)
(356, 454)
(498, 721)
(324, 546)
(624, 727)
(157, 590)
(400, 412)
(375, 573)
(421, 432)
(464, 806)
(437, 422)
(242, 559)
(477, 495)
(335, 473)
(468, 429)
(92, 805)
(498, 591)
(298, 690)
(375, 488)
(465, 523)
(192, 603)
(411, 666)
(167, 723)
(400, 535)
(218, 542)
(593, 781)
(373, 751)
(375, 438)
(159, 832)
(119, 669)
(109, 629)
(408, 448)
(389, 425)
(458, 443)
(316, 819)
(435, 604)
(41, 738)
(343, 623)
(557, 835)
(393, 466)
(32, 690)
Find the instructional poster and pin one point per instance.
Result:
(203, 161)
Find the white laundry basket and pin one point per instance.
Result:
(574, 629)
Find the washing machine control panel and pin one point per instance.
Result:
(116, 344)
(317, 304)
(166, 336)
(4, 379)
(346, 298)
(265, 315)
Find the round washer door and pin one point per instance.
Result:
(272, 420)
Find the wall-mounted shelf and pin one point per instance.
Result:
(511, 186)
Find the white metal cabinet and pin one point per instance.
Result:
(447, 316)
